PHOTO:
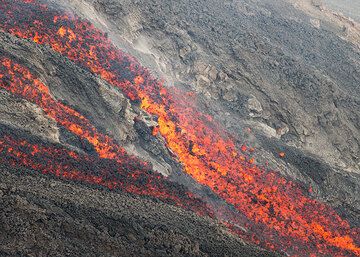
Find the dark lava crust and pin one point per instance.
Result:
(46, 217)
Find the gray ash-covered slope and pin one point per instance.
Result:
(259, 58)
(347, 7)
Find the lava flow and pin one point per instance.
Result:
(129, 173)
(281, 216)
(19, 81)
(51, 159)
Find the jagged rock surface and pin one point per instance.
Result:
(45, 217)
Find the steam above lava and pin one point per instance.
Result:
(280, 215)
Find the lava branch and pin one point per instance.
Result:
(286, 217)
(19, 81)
(51, 159)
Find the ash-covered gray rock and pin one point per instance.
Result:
(306, 79)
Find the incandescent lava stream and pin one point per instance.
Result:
(282, 216)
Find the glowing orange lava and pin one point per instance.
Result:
(19, 81)
(280, 214)
(123, 171)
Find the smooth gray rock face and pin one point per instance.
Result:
(26, 116)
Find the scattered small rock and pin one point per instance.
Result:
(254, 105)
(316, 23)
(284, 129)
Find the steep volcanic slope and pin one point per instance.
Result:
(134, 176)
(270, 210)
(255, 68)
(265, 50)
(60, 234)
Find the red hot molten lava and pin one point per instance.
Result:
(119, 171)
(281, 215)
(50, 159)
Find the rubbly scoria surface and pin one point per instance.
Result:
(271, 211)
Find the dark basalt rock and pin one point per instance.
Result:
(45, 217)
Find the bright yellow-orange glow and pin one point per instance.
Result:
(118, 170)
